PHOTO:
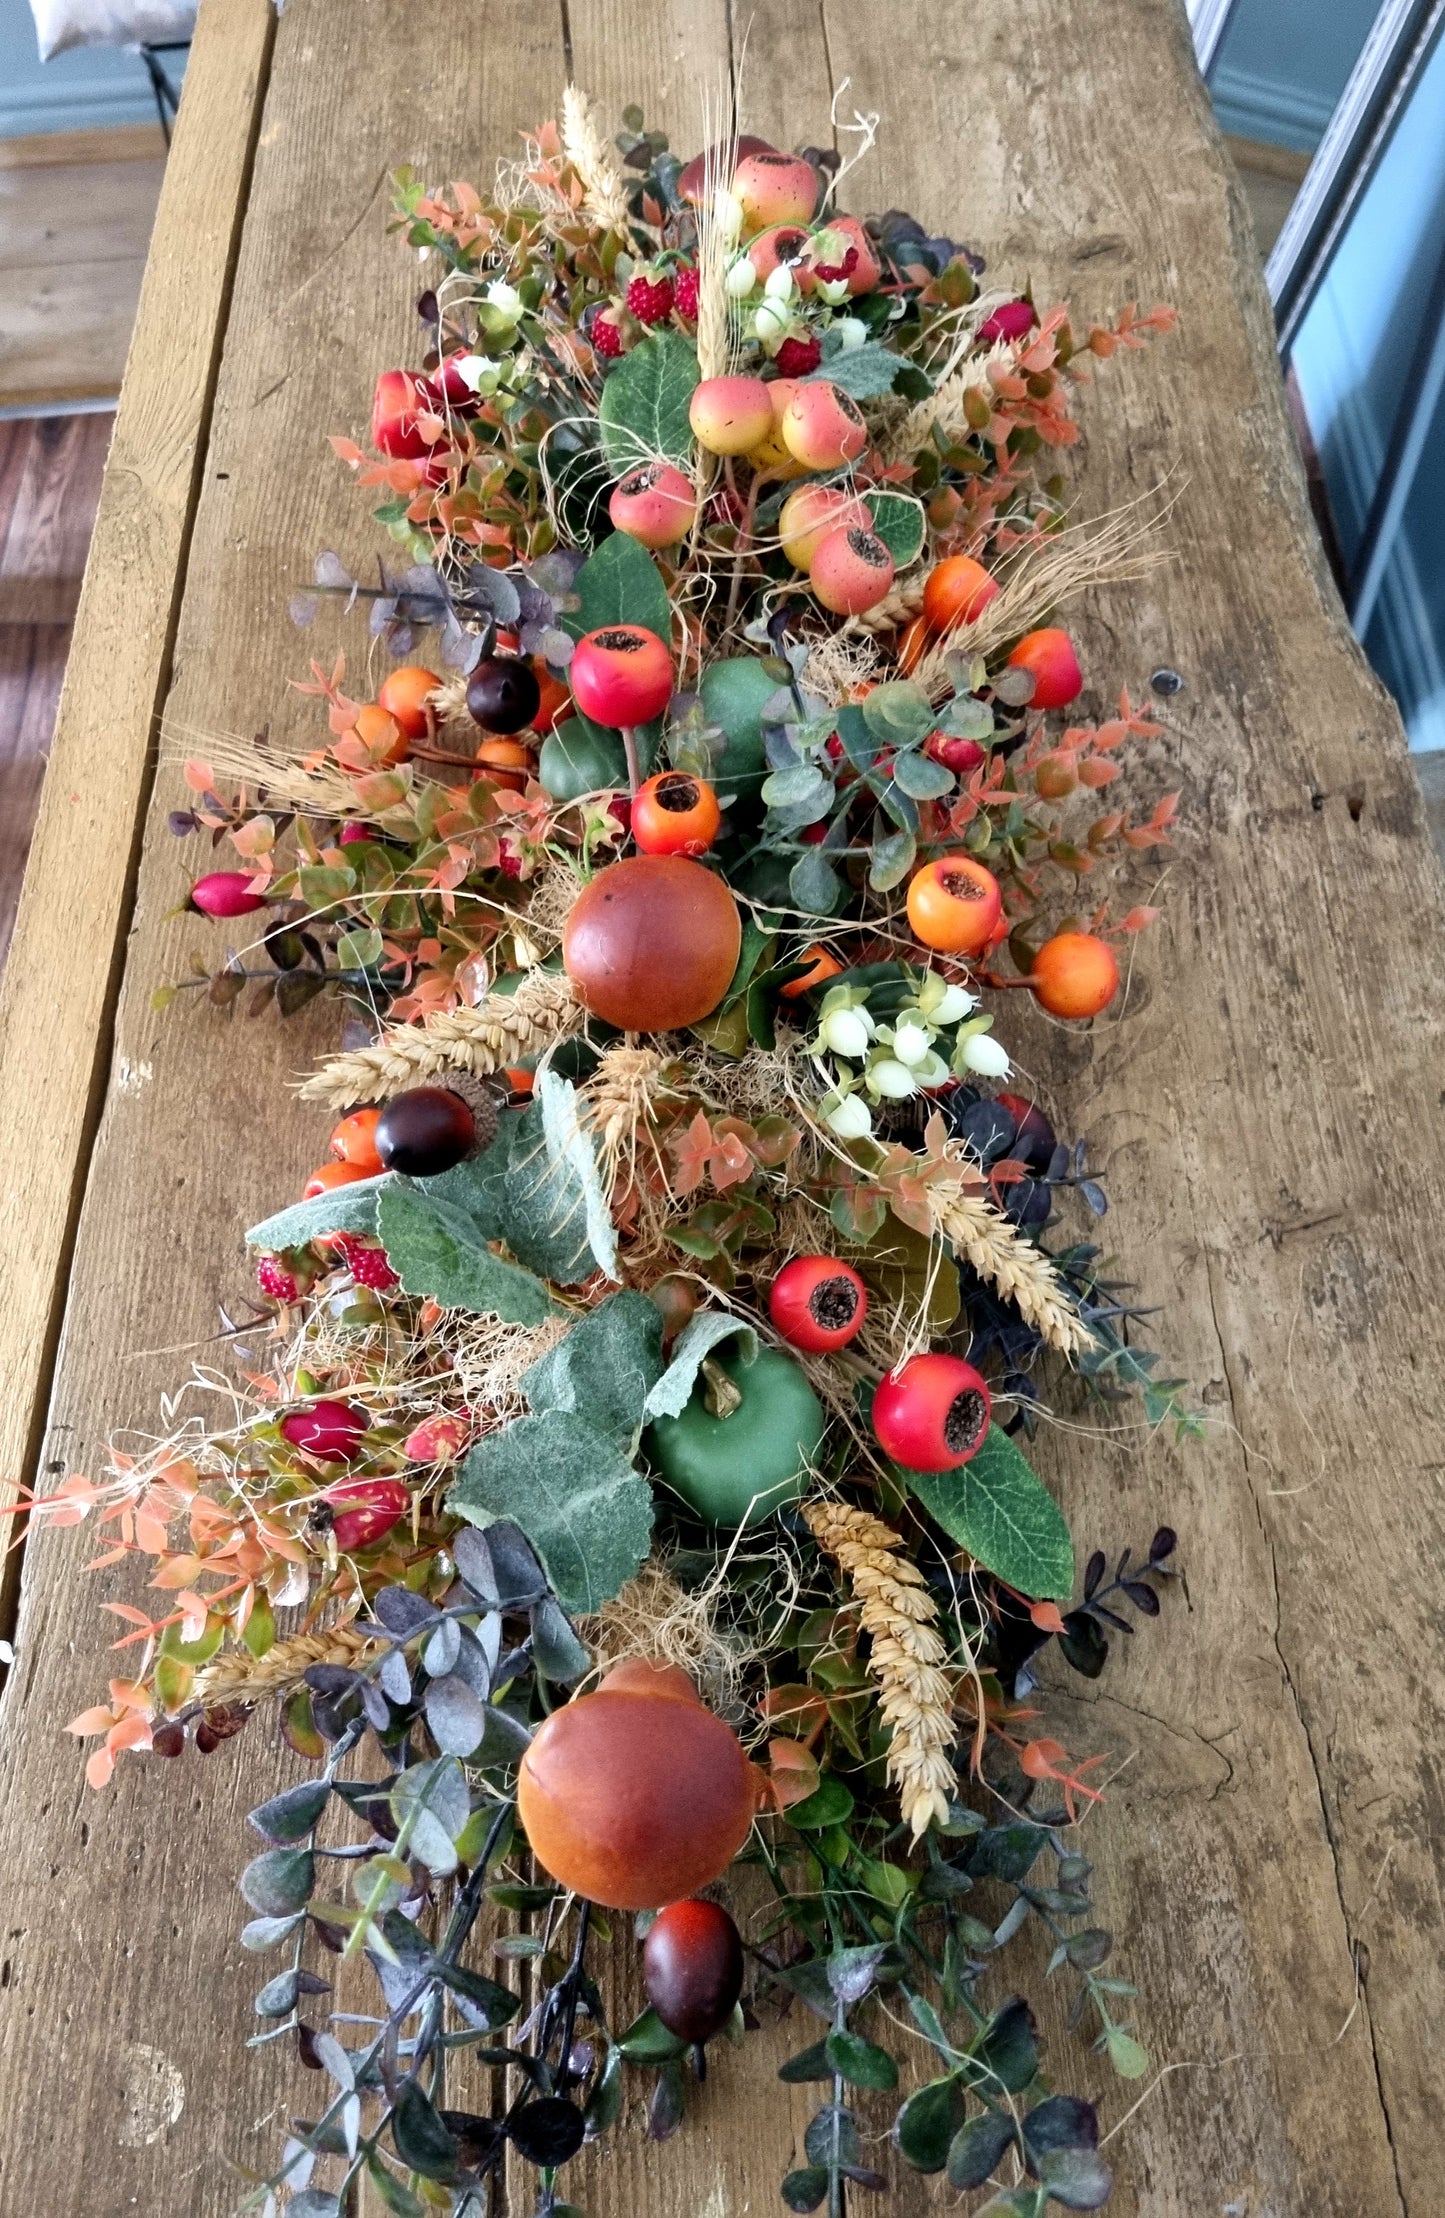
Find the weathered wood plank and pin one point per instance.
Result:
(56, 1006)
(1264, 1099)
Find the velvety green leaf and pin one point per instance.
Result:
(574, 1158)
(921, 778)
(344, 1209)
(670, 1394)
(814, 885)
(978, 2149)
(861, 2063)
(1006, 2054)
(864, 371)
(291, 1815)
(809, 2064)
(574, 1494)
(280, 1881)
(898, 521)
(436, 1248)
(644, 405)
(605, 1369)
(1077, 2178)
(1006, 1852)
(925, 2127)
(520, 1195)
(1002, 1513)
(647, 2041)
(620, 584)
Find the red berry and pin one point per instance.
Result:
(369, 1267)
(330, 1431)
(650, 296)
(275, 1280)
(692, 1968)
(817, 1303)
(606, 338)
(362, 1511)
(226, 893)
(798, 357)
(959, 755)
(400, 398)
(354, 832)
(1014, 320)
(684, 294)
(932, 1414)
(621, 675)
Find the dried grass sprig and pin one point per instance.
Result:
(238, 1676)
(907, 1655)
(504, 1030)
(588, 148)
(653, 1616)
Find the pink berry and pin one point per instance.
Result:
(649, 296)
(1014, 320)
(684, 294)
(958, 755)
(226, 893)
(275, 1280)
(330, 1431)
(606, 338)
(369, 1267)
(354, 832)
(798, 357)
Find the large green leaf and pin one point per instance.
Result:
(620, 584)
(575, 1495)
(645, 401)
(1001, 1512)
(343, 1209)
(864, 371)
(437, 1247)
(518, 1193)
(574, 1157)
(605, 1368)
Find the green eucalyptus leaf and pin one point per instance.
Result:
(814, 885)
(1001, 1512)
(861, 2063)
(891, 860)
(645, 399)
(437, 1248)
(865, 371)
(575, 1495)
(419, 2137)
(921, 778)
(925, 2126)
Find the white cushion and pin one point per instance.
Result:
(63, 23)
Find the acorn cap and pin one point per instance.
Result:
(481, 1098)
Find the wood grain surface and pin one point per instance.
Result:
(1267, 1099)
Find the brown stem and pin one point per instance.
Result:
(742, 546)
(629, 748)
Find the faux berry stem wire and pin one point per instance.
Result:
(629, 748)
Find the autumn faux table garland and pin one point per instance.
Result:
(620, 1493)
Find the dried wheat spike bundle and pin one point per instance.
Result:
(906, 1658)
(504, 1030)
(588, 148)
(238, 1676)
(899, 605)
(1012, 1264)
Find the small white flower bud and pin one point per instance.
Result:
(852, 332)
(779, 283)
(954, 1005)
(911, 1042)
(850, 1118)
(846, 1032)
(891, 1079)
(771, 320)
(504, 298)
(985, 1055)
(740, 279)
(727, 214)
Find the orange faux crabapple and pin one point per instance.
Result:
(824, 967)
(404, 695)
(773, 188)
(675, 814)
(772, 453)
(852, 571)
(1048, 655)
(809, 515)
(381, 735)
(354, 1142)
(330, 1175)
(1075, 974)
(730, 415)
(957, 591)
(954, 905)
(823, 426)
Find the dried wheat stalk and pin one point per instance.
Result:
(1019, 1271)
(902, 602)
(587, 147)
(238, 1676)
(906, 1657)
(504, 1030)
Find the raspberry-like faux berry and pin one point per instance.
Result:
(606, 338)
(369, 1267)
(650, 296)
(684, 294)
(798, 357)
(275, 1280)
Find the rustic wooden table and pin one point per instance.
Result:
(1268, 1100)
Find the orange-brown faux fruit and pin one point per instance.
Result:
(1075, 974)
(636, 1795)
(652, 943)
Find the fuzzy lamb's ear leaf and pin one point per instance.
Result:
(574, 1494)
(343, 1209)
(572, 1154)
(437, 1247)
(605, 1368)
(699, 1336)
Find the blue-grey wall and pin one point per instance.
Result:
(1283, 66)
(88, 89)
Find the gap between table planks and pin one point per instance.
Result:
(1264, 1099)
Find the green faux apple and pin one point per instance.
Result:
(736, 1470)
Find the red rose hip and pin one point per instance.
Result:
(818, 1303)
(932, 1413)
(621, 676)
(331, 1431)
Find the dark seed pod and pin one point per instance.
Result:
(692, 1968)
(503, 694)
(425, 1131)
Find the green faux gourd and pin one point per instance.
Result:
(737, 1470)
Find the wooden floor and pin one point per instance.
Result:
(76, 209)
(50, 472)
(1267, 1098)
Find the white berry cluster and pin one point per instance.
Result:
(873, 1062)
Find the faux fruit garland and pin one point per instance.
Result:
(619, 1494)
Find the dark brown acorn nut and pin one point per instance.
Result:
(692, 1968)
(503, 694)
(425, 1131)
